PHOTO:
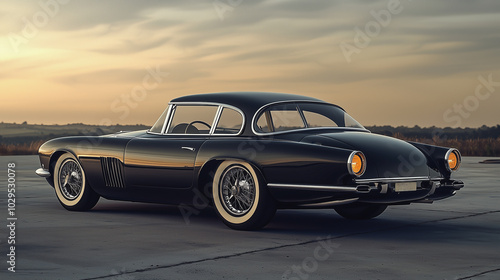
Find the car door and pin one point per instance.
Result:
(161, 161)
(166, 159)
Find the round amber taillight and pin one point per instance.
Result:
(356, 163)
(453, 159)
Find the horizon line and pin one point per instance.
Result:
(118, 124)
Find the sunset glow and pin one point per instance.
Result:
(387, 62)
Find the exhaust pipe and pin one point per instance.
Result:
(363, 189)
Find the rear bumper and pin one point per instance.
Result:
(427, 192)
(374, 191)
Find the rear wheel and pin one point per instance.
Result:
(72, 189)
(240, 197)
(360, 211)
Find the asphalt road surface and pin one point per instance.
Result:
(457, 238)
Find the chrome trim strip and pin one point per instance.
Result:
(396, 179)
(167, 118)
(215, 123)
(306, 129)
(329, 203)
(170, 117)
(43, 172)
(313, 187)
(301, 113)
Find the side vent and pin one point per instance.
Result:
(112, 170)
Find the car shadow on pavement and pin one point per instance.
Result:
(414, 227)
(419, 225)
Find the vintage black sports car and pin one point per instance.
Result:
(250, 153)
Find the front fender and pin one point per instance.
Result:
(87, 149)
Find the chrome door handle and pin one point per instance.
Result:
(189, 148)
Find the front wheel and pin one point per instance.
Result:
(72, 189)
(240, 197)
(360, 211)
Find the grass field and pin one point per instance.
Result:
(20, 149)
(486, 147)
(25, 139)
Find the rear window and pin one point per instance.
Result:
(293, 116)
(280, 118)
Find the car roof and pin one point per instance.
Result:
(248, 102)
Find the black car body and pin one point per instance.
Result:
(251, 153)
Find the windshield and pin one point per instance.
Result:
(292, 116)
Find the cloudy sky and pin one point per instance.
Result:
(386, 62)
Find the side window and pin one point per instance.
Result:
(158, 126)
(350, 122)
(280, 118)
(192, 119)
(318, 120)
(286, 117)
(262, 124)
(230, 122)
(322, 115)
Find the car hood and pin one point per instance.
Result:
(386, 157)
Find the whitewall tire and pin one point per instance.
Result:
(240, 196)
(72, 189)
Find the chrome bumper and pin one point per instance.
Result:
(43, 173)
(396, 180)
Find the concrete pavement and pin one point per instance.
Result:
(457, 238)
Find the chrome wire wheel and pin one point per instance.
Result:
(70, 179)
(237, 190)
(240, 196)
(72, 189)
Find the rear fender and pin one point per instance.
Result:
(436, 156)
(284, 162)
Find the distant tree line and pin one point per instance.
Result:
(482, 141)
(482, 132)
